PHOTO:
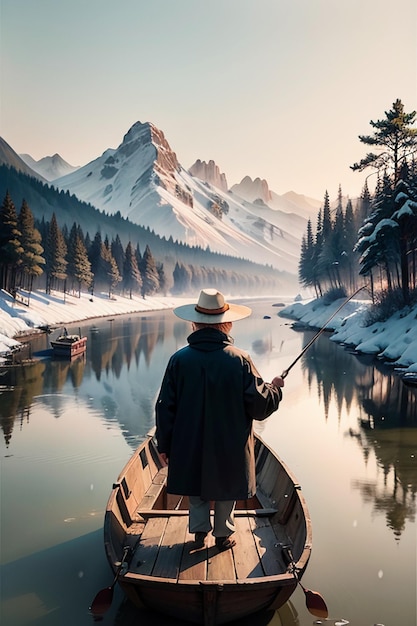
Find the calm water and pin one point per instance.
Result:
(347, 430)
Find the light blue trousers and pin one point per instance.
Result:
(199, 516)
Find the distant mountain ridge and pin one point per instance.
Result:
(49, 167)
(9, 157)
(44, 200)
(143, 181)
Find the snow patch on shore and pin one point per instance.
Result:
(394, 340)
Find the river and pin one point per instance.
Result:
(346, 427)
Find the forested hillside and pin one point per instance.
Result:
(45, 201)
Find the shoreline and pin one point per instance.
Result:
(19, 322)
(393, 341)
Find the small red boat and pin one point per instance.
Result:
(68, 346)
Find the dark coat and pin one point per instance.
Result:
(210, 394)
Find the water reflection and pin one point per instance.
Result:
(126, 357)
(120, 357)
(69, 427)
(387, 425)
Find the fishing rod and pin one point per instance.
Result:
(317, 335)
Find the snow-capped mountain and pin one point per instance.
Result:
(258, 191)
(9, 157)
(50, 167)
(143, 180)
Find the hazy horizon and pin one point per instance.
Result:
(266, 89)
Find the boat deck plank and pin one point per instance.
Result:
(148, 548)
(246, 556)
(220, 565)
(166, 550)
(193, 564)
(170, 550)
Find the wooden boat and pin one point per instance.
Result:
(154, 558)
(68, 346)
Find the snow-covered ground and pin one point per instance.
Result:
(52, 310)
(394, 340)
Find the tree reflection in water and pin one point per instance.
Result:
(388, 425)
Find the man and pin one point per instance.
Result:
(210, 394)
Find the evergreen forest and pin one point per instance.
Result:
(56, 254)
(374, 243)
(67, 245)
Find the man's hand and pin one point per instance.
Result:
(164, 457)
(278, 381)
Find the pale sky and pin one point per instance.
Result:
(275, 89)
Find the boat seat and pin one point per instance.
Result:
(147, 513)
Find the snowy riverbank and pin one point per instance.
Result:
(394, 341)
(53, 310)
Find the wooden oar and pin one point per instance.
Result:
(317, 335)
(314, 600)
(104, 598)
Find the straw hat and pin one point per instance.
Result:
(211, 308)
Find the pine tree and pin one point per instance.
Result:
(11, 250)
(405, 215)
(363, 209)
(378, 241)
(305, 266)
(337, 244)
(132, 279)
(107, 271)
(118, 253)
(150, 279)
(350, 234)
(318, 244)
(162, 278)
(32, 257)
(94, 256)
(79, 266)
(396, 139)
(325, 258)
(55, 255)
(182, 278)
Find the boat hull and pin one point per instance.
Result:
(166, 573)
(68, 348)
(208, 603)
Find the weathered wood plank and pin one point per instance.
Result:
(220, 565)
(240, 513)
(147, 551)
(194, 562)
(169, 556)
(245, 554)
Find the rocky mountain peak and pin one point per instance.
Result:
(252, 190)
(209, 173)
(140, 136)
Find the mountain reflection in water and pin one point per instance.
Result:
(66, 423)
